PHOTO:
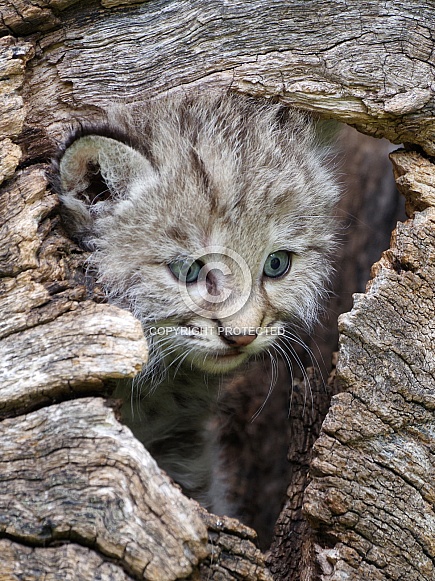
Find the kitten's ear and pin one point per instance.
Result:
(95, 172)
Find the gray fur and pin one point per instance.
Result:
(194, 172)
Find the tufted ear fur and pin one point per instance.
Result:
(95, 173)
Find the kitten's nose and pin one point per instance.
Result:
(239, 339)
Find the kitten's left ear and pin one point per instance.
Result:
(95, 173)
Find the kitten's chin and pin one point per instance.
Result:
(220, 362)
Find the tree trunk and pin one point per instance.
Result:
(371, 499)
(81, 499)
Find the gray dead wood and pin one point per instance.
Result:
(370, 502)
(369, 64)
(372, 497)
(54, 342)
(71, 472)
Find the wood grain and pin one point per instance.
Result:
(363, 63)
(79, 495)
(71, 472)
(372, 498)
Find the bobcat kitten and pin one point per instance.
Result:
(210, 218)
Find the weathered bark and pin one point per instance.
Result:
(371, 500)
(369, 506)
(79, 476)
(54, 342)
(75, 486)
(367, 64)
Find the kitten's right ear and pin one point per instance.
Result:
(94, 173)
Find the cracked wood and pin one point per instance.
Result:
(372, 497)
(369, 64)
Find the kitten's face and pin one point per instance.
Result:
(205, 277)
(217, 236)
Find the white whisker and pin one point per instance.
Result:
(274, 378)
(286, 343)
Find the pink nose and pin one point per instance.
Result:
(238, 340)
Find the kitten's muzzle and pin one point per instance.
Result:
(239, 339)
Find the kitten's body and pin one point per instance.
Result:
(218, 178)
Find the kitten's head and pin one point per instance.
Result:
(210, 217)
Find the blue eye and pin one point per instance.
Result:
(185, 270)
(277, 264)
